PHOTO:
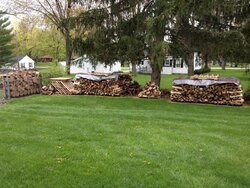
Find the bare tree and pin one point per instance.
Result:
(60, 12)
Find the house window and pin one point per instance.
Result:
(30, 65)
(80, 65)
(22, 65)
(167, 63)
(178, 64)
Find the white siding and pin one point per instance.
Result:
(85, 66)
(26, 63)
(172, 66)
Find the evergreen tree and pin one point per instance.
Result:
(5, 41)
(208, 27)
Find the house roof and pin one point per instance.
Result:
(18, 58)
(26, 59)
(46, 57)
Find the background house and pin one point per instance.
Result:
(19, 63)
(171, 65)
(26, 63)
(84, 65)
(46, 58)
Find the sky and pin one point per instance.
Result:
(5, 4)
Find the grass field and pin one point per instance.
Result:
(87, 141)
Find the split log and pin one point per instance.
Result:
(151, 90)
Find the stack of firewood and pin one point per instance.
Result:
(151, 90)
(22, 83)
(49, 90)
(224, 91)
(121, 87)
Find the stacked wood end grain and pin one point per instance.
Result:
(23, 83)
(214, 90)
(151, 90)
(121, 87)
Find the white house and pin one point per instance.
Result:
(171, 65)
(26, 63)
(84, 65)
(22, 63)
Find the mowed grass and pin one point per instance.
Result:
(166, 80)
(88, 141)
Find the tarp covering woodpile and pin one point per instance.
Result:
(208, 89)
(22, 83)
(109, 85)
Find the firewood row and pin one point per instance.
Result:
(23, 83)
(121, 87)
(223, 94)
(151, 90)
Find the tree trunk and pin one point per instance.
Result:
(190, 63)
(134, 72)
(156, 75)
(69, 52)
(206, 64)
(223, 65)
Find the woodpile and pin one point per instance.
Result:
(121, 87)
(223, 91)
(63, 86)
(22, 83)
(151, 90)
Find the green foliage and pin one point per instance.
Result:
(52, 72)
(36, 41)
(88, 141)
(6, 48)
(202, 70)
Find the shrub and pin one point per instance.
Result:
(52, 72)
(202, 71)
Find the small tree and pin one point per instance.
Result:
(5, 41)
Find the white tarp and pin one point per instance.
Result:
(96, 77)
(188, 81)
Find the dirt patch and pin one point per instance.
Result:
(3, 101)
(165, 94)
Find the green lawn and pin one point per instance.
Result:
(88, 141)
(166, 80)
